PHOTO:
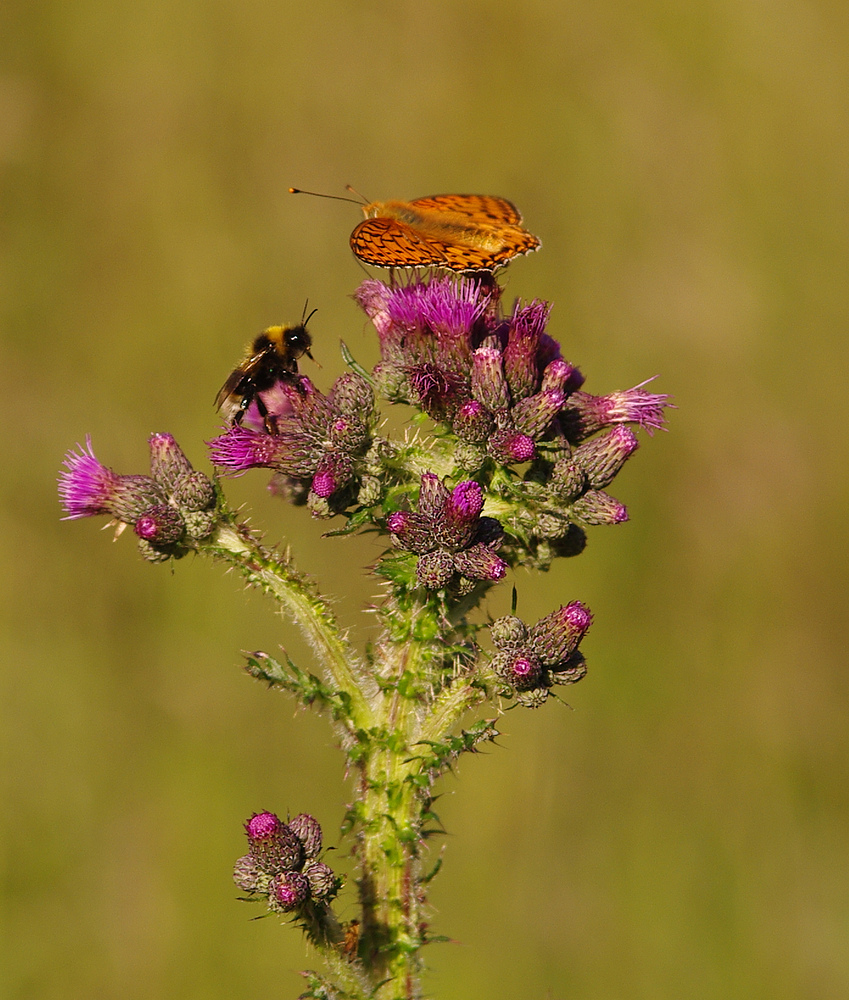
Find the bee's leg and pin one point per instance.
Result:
(269, 421)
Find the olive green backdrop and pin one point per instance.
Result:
(683, 832)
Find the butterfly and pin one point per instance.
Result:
(461, 232)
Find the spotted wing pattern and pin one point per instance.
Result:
(485, 209)
(385, 241)
(389, 243)
(515, 241)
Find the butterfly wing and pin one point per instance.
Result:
(516, 241)
(386, 242)
(485, 209)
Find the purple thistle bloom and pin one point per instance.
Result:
(584, 414)
(494, 380)
(319, 441)
(88, 488)
(241, 449)
(448, 534)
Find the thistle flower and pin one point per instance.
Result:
(584, 414)
(88, 488)
(319, 440)
(530, 660)
(168, 510)
(446, 348)
(448, 534)
(275, 847)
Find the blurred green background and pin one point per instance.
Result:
(684, 832)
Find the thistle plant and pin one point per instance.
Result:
(505, 462)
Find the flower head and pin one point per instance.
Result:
(530, 660)
(88, 488)
(448, 534)
(446, 348)
(275, 847)
(319, 440)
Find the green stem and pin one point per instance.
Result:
(265, 570)
(391, 825)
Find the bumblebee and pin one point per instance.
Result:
(272, 357)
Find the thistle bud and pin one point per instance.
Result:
(411, 531)
(533, 698)
(352, 395)
(307, 829)
(523, 672)
(160, 525)
(432, 496)
(488, 383)
(334, 471)
(508, 633)
(571, 671)
(272, 843)
(559, 374)
(473, 422)
(598, 507)
(168, 463)
(568, 479)
(249, 876)
(458, 523)
(435, 569)
(288, 891)
(533, 415)
(511, 447)
(555, 637)
(602, 457)
(193, 492)
(322, 880)
(479, 562)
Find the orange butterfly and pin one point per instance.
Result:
(462, 232)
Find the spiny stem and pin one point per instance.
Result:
(268, 572)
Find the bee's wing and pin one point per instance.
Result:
(235, 378)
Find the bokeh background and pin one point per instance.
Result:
(684, 831)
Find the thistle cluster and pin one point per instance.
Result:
(530, 660)
(281, 865)
(170, 510)
(508, 465)
(503, 397)
(450, 538)
(320, 447)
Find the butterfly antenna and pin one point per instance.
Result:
(317, 194)
(353, 190)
